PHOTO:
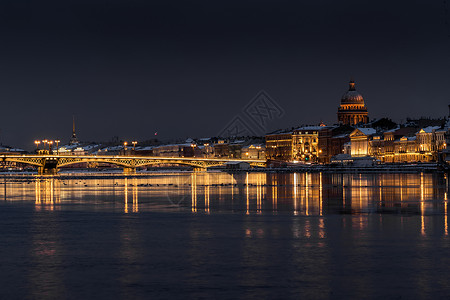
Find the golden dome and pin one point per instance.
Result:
(352, 96)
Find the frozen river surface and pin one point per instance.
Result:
(216, 235)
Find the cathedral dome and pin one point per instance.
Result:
(352, 96)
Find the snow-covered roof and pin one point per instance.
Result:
(112, 148)
(12, 149)
(69, 147)
(367, 131)
(174, 145)
(145, 148)
(340, 136)
(311, 128)
(235, 162)
(430, 129)
(280, 131)
(90, 147)
(393, 130)
(237, 142)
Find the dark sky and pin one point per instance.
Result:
(186, 68)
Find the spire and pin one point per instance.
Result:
(351, 85)
(74, 139)
(73, 125)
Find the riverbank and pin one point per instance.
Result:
(385, 168)
(117, 173)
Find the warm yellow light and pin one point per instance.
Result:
(125, 143)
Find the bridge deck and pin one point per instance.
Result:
(50, 163)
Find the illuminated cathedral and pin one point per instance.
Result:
(352, 110)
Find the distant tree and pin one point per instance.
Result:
(384, 123)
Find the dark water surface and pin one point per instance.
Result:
(215, 235)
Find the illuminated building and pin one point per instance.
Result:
(228, 150)
(405, 150)
(359, 139)
(430, 141)
(144, 151)
(254, 151)
(301, 144)
(402, 145)
(352, 110)
(332, 140)
(279, 146)
(305, 143)
(177, 150)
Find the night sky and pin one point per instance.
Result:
(186, 68)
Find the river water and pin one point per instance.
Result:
(218, 235)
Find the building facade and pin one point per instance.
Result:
(359, 140)
(279, 146)
(305, 141)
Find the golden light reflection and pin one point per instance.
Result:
(445, 214)
(125, 209)
(135, 207)
(320, 194)
(344, 195)
(194, 191)
(247, 194)
(308, 194)
(47, 194)
(207, 194)
(275, 195)
(307, 228)
(422, 206)
(321, 228)
(259, 194)
(295, 194)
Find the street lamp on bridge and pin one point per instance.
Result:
(125, 148)
(37, 145)
(44, 143)
(134, 145)
(57, 146)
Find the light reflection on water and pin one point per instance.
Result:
(246, 235)
(306, 194)
(300, 194)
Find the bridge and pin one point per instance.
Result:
(49, 164)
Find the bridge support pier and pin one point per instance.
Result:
(196, 169)
(47, 171)
(49, 166)
(129, 171)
